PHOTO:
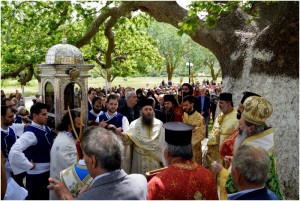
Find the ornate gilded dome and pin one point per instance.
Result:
(64, 54)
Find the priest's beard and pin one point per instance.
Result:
(168, 112)
(240, 139)
(186, 94)
(147, 120)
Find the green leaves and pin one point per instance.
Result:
(134, 52)
(205, 14)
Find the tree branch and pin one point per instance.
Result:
(124, 9)
(13, 74)
(62, 18)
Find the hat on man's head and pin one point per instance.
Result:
(257, 110)
(139, 91)
(226, 96)
(145, 102)
(178, 133)
(169, 98)
(247, 94)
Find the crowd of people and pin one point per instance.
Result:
(143, 143)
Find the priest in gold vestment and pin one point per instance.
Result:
(194, 118)
(145, 136)
(254, 131)
(224, 125)
(227, 148)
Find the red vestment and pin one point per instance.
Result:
(184, 180)
(178, 112)
(226, 148)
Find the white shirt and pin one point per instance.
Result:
(17, 159)
(63, 153)
(18, 128)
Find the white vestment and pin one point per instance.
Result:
(147, 147)
(63, 155)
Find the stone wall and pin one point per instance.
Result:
(283, 93)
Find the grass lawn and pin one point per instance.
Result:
(11, 85)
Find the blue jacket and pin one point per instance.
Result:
(254, 194)
(206, 105)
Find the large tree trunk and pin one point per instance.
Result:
(170, 70)
(261, 57)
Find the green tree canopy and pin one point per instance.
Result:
(31, 28)
(179, 49)
(134, 52)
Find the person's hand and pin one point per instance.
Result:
(227, 160)
(33, 165)
(111, 127)
(103, 124)
(216, 167)
(61, 191)
(118, 131)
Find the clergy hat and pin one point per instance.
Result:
(139, 91)
(178, 133)
(191, 90)
(145, 102)
(257, 110)
(247, 94)
(169, 98)
(226, 97)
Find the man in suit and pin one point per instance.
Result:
(250, 168)
(204, 107)
(91, 94)
(130, 109)
(102, 153)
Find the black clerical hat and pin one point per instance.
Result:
(178, 133)
(145, 102)
(169, 98)
(247, 94)
(226, 96)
